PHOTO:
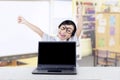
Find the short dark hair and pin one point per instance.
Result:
(69, 22)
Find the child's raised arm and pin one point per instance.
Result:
(21, 20)
(79, 22)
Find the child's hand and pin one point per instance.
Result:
(21, 20)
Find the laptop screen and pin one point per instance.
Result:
(57, 53)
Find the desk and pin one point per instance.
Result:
(13, 58)
(106, 57)
(84, 73)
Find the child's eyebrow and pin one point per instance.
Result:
(67, 27)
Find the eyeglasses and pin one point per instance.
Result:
(68, 30)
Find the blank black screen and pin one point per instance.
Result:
(57, 53)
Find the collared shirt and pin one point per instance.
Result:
(47, 37)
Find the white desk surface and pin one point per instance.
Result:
(83, 73)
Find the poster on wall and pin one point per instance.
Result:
(101, 29)
(112, 21)
(101, 42)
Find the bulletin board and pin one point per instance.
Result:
(108, 31)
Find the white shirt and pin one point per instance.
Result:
(47, 37)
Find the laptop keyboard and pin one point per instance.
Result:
(56, 69)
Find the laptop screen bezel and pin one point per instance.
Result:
(58, 65)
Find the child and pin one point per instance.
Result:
(67, 31)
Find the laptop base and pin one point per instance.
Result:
(55, 72)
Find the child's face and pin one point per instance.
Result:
(65, 32)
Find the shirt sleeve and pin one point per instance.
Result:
(74, 38)
(47, 37)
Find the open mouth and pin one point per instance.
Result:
(62, 35)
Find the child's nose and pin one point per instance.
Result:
(64, 31)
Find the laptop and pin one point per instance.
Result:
(56, 58)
